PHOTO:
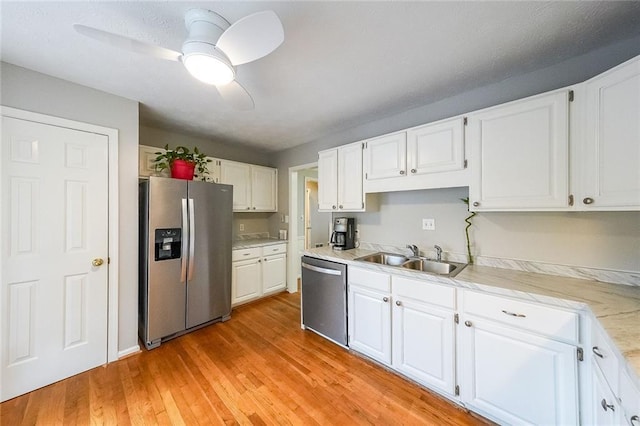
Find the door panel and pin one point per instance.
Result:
(209, 285)
(165, 285)
(54, 223)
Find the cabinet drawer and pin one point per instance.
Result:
(604, 355)
(424, 291)
(249, 253)
(548, 321)
(369, 279)
(274, 249)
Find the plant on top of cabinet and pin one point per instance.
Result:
(182, 162)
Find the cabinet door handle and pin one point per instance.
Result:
(588, 200)
(413, 170)
(596, 351)
(385, 299)
(340, 206)
(513, 314)
(401, 172)
(634, 419)
(476, 204)
(333, 207)
(606, 406)
(468, 323)
(398, 303)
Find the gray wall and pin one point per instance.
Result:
(605, 240)
(153, 136)
(32, 91)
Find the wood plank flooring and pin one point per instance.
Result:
(258, 368)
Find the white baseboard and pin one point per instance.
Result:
(128, 351)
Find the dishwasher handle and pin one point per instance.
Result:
(321, 270)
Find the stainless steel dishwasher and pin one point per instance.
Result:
(324, 298)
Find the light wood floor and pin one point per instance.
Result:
(258, 368)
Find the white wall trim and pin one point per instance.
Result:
(292, 276)
(114, 226)
(129, 351)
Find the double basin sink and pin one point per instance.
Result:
(447, 269)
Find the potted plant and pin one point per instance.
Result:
(183, 163)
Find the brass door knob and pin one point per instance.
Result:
(97, 262)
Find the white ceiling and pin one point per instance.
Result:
(342, 63)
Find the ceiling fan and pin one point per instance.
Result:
(213, 48)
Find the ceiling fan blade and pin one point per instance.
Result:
(252, 37)
(126, 43)
(236, 96)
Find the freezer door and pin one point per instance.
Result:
(165, 287)
(209, 266)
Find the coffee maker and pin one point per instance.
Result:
(344, 233)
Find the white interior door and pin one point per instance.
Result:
(54, 186)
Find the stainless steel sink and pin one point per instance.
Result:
(390, 259)
(432, 266)
(448, 269)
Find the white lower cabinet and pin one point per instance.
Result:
(370, 313)
(257, 272)
(517, 377)
(423, 332)
(518, 360)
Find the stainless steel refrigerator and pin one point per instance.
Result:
(185, 257)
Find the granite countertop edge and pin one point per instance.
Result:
(615, 306)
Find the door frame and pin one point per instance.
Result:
(307, 179)
(293, 260)
(113, 225)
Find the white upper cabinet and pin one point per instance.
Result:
(428, 156)
(520, 154)
(610, 160)
(238, 175)
(437, 147)
(263, 188)
(350, 195)
(213, 167)
(254, 187)
(340, 179)
(328, 180)
(386, 156)
(146, 164)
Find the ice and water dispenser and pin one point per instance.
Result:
(168, 243)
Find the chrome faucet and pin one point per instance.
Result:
(438, 253)
(414, 250)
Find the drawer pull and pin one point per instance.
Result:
(246, 254)
(596, 351)
(605, 405)
(513, 314)
(634, 419)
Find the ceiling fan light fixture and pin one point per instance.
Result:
(207, 64)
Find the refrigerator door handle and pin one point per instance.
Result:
(183, 270)
(192, 238)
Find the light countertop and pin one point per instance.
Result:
(257, 242)
(615, 306)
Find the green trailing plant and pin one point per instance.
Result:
(165, 159)
(466, 229)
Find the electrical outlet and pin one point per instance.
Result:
(241, 227)
(429, 224)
